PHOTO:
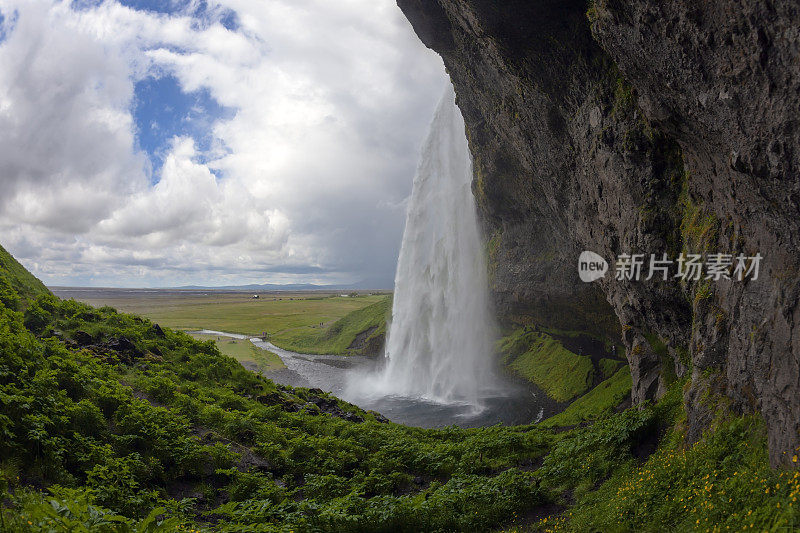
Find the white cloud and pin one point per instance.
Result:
(308, 175)
(189, 204)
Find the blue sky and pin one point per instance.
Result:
(199, 10)
(162, 110)
(150, 143)
(6, 24)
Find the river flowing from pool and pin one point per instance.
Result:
(519, 402)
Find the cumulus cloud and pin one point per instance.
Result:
(66, 137)
(305, 173)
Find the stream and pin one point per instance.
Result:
(516, 402)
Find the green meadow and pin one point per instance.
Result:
(314, 322)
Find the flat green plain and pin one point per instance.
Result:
(291, 320)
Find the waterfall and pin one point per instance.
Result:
(439, 341)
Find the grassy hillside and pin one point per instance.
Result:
(723, 483)
(540, 358)
(111, 423)
(15, 278)
(107, 417)
(360, 332)
(601, 400)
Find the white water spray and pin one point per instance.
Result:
(439, 341)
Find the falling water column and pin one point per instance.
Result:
(439, 342)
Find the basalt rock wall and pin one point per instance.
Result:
(642, 127)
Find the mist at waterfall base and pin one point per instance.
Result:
(438, 367)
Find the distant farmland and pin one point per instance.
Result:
(287, 316)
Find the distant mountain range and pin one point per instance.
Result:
(288, 287)
(364, 285)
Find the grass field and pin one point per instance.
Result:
(314, 322)
(237, 312)
(244, 351)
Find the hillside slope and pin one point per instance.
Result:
(360, 332)
(14, 277)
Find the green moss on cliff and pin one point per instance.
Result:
(591, 12)
(624, 96)
(699, 225)
(667, 364)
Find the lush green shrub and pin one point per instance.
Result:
(8, 296)
(75, 510)
(36, 318)
(115, 485)
(253, 486)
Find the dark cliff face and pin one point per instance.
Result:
(641, 127)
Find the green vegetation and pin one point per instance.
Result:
(14, 278)
(624, 97)
(608, 367)
(540, 358)
(110, 423)
(699, 225)
(601, 400)
(661, 350)
(492, 248)
(116, 417)
(319, 323)
(141, 418)
(591, 12)
(342, 337)
(722, 483)
(244, 351)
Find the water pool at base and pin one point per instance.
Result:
(515, 402)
